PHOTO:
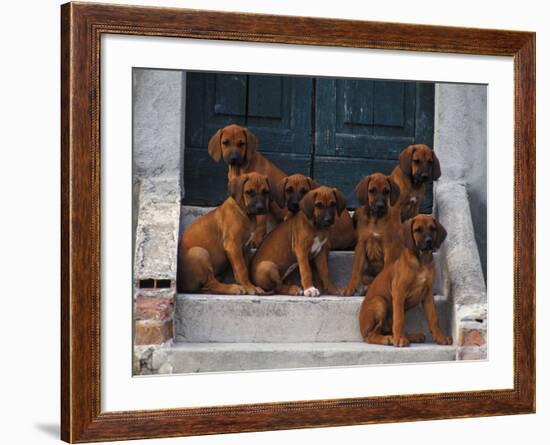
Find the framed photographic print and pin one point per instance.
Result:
(277, 222)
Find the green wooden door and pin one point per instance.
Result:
(335, 130)
(277, 109)
(361, 126)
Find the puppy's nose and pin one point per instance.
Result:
(260, 207)
(328, 220)
(293, 206)
(424, 175)
(234, 157)
(428, 240)
(380, 205)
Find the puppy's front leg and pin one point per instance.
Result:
(398, 328)
(306, 277)
(429, 310)
(235, 254)
(321, 263)
(260, 230)
(358, 267)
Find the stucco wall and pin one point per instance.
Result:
(460, 141)
(158, 115)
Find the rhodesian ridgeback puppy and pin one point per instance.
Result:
(297, 242)
(221, 237)
(417, 165)
(238, 147)
(290, 191)
(377, 224)
(402, 285)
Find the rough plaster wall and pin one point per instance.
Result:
(157, 123)
(158, 106)
(460, 142)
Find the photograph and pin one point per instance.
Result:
(291, 221)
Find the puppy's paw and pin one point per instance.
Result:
(311, 292)
(347, 291)
(260, 291)
(237, 289)
(416, 337)
(387, 340)
(295, 290)
(444, 340)
(401, 342)
(250, 289)
(331, 291)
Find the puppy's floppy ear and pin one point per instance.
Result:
(278, 193)
(394, 191)
(251, 144)
(340, 200)
(441, 234)
(362, 190)
(312, 184)
(235, 188)
(405, 160)
(407, 235)
(307, 203)
(215, 145)
(436, 168)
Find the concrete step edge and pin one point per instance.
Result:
(284, 298)
(306, 346)
(207, 357)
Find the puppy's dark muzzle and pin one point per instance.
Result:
(257, 209)
(234, 158)
(427, 244)
(421, 178)
(379, 208)
(293, 206)
(326, 221)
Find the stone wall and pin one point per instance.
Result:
(460, 141)
(461, 270)
(158, 115)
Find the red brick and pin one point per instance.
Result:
(472, 337)
(152, 332)
(153, 308)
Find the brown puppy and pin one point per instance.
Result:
(417, 165)
(298, 241)
(377, 224)
(290, 191)
(238, 147)
(221, 237)
(402, 285)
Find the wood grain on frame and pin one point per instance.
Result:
(81, 28)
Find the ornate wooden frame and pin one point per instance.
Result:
(81, 28)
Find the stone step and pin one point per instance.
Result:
(217, 357)
(280, 318)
